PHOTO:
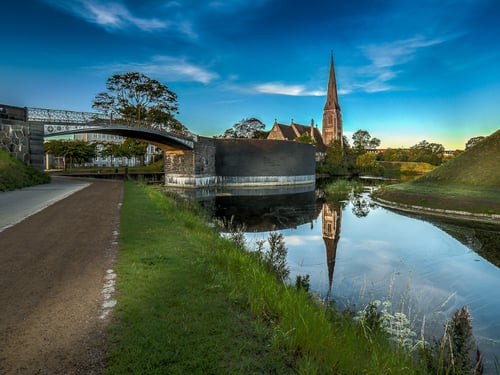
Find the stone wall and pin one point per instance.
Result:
(14, 139)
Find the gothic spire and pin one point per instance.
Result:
(332, 100)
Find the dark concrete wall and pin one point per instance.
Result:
(262, 157)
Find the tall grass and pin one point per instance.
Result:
(190, 301)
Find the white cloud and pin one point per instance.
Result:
(386, 62)
(109, 15)
(168, 68)
(283, 89)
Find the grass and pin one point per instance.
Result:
(14, 174)
(399, 168)
(191, 302)
(469, 182)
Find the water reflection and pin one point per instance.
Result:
(355, 252)
(331, 222)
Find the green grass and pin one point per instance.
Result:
(400, 168)
(14, 174)
(469, 182)
(190, 302)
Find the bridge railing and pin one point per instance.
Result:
(61, 116)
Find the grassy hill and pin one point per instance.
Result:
(469, 182)
(14, 174)
(479, 166)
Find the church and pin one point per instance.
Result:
(331, 127)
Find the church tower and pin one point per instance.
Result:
(332, 117)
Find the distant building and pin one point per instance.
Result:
(101, 139)
(331, 125)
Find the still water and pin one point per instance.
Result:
(356, 252)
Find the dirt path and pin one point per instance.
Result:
(53, 267)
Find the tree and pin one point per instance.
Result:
(134, 148)
(140, 101)
(305, 138)
(432, 153)
(246, 128)
(473, 141)
(76, 151)
(362, 140)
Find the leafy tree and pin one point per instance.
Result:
(76, 151)
(246, 128)
(432, 153)
(473, 141)
(362, 140)
(395, 154)
(367, 160)
(305, 138)
(134, 148)
(140, 101)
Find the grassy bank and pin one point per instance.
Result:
(468, 182)
(190, 302)
(14, 174)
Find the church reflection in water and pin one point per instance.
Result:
(256, 212)
(332, 221)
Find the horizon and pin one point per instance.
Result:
(405, 72)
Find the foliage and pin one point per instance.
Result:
(76, 151)
(477, 166)
(191, 302)
(456, 352)
(140, 101)
(246, 128)
(362, 141)
(473, 141)
(366, 160)
(426, 152)
(14, 174)
(340, 159)
(305, 138)
(303, 282)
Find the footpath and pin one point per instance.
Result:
(53, 267)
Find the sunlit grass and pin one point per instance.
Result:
(191, 302)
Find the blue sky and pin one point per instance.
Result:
(406, 70)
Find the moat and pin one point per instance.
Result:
(356, 251)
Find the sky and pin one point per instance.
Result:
(406, 70)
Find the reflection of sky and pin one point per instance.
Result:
(408, 261)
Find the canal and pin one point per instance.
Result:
(356, 252)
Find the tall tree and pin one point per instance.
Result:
(246, 128)
(362, 140)
(140, 101)
(432, 153)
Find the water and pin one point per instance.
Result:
(356, 252)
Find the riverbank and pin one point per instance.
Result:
(448, 200)
(190, 301)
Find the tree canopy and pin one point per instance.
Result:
(139, 101)
(246, 128)
(362, 140)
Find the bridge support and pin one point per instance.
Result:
(191, 168)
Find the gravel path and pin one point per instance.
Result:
(54, 266)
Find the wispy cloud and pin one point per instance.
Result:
(283, 89)
(110, 15)
(386, 62)
(172, 69)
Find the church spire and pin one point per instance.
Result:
(332, 100)
(332, 117)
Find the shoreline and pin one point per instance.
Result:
(438, 212)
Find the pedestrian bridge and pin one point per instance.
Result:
(189, 160)
(58, 122)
